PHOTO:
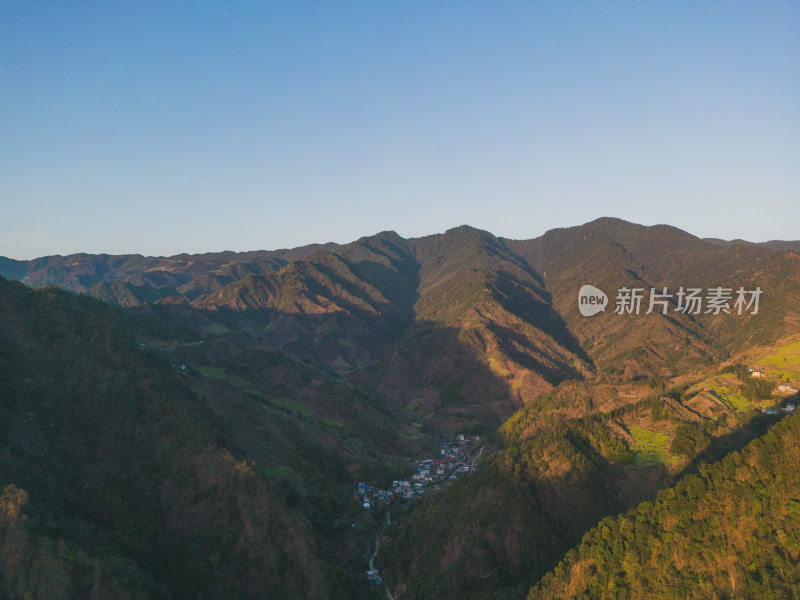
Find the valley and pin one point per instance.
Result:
(435, 410)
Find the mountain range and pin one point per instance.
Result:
(191, 426)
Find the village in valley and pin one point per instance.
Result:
(429, 474)
(452, 462)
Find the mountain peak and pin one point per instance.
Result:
(468, 230)
(390, 236)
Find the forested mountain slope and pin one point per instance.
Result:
(115, 484)
(730, 531)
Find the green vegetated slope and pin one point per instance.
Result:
(114, 484)
(730, 531)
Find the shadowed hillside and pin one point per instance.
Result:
(114, 484)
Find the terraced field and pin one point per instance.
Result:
(730, 397)
(650, 447)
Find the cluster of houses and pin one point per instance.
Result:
(783, 388)
(785, 409)
(450, 464)
(368, 496)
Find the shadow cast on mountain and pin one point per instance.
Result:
(534, 306)
(732, 442)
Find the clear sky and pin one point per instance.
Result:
(163, 127)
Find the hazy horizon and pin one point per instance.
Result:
(348, 241)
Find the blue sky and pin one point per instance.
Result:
(160, 128)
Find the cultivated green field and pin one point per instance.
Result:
(731, 398)
(650, 447)
(785, 362)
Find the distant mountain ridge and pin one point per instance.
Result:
(211, 270)
(80, 272)
(793, 245)
(505, 307)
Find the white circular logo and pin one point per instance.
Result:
(591, 300)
